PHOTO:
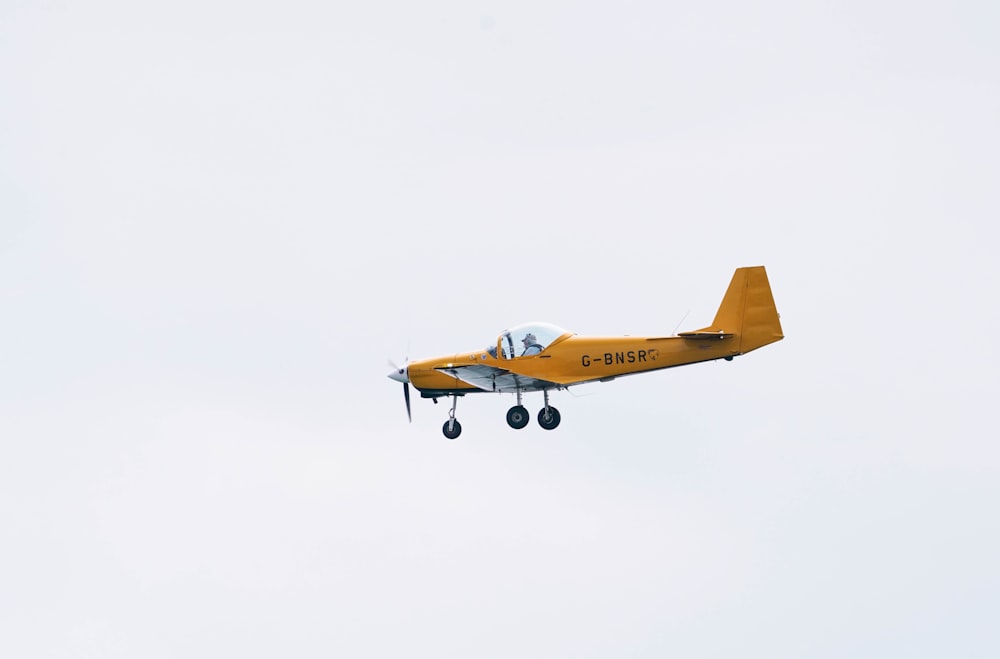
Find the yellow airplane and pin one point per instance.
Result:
(543, 357)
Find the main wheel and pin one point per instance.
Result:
(454, 431)
(550, 420)
(517, 417)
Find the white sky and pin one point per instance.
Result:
(218, 220)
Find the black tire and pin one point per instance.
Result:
(517, 417)
(551, 420)
(456, 429)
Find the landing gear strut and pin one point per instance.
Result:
(517, 416)
(548, 416)
(452, 428)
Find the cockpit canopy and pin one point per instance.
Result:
(512, 341)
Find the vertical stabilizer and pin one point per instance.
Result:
(748, 311)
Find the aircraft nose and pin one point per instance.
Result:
(399, 375)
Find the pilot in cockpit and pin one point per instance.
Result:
(531, 345)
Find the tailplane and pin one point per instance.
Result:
(747, 311)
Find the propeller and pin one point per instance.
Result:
(401, 375)
(406, 397)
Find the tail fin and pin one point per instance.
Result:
(748, 311)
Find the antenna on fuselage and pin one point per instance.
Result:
(681, 321)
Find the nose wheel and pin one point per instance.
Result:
(452, 428)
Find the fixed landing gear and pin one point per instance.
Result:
(548, 417)
(452, 428)
(517, 417)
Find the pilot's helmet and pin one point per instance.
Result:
(529, 338)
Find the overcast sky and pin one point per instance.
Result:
(219, 220)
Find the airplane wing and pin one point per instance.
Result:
(490, 378)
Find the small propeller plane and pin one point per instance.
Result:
(542, 357)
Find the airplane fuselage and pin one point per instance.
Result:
(746, 320)
(575, 359)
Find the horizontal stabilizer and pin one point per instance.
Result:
(706, 335)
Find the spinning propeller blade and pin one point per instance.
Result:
(400, 375)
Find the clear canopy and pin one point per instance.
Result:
(527, 338)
